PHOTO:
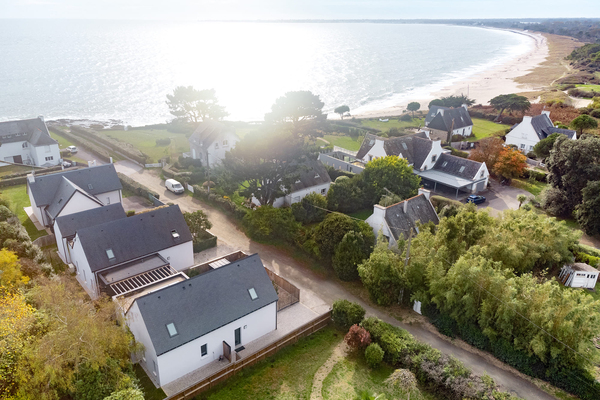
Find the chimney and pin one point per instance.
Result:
(41, 117)
(405, 206)
(546, 112)
(379, 211)
(425, 192)
(526, 118)
(31, 178)
(92, 163)
(465, 106)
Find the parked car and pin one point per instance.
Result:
(475, 199)
(66, 164)
(174, 186)
(72, 149)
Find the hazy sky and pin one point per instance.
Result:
(297, 9)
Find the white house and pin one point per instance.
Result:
(579, 275)
(441, 120)
(28, 142)
(210, 141)
(435, 165)
(396, 221)
(189, 324)
(531, 130)
(66, 227)
(70, 192)
(110, 252)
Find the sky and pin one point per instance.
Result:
(297, 9)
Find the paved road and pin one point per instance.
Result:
(318, 292)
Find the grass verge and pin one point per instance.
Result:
(150, 391)
(533, 187)
(18, 198)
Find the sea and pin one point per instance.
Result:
(122, 70)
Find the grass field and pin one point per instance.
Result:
(533, 187)
(18, 198)
(13, 169)
(483, 128)
(345, 141)
(392, 123)
(589, 88)
(145, 141)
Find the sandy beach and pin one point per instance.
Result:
(488, 84)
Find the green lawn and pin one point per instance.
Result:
(18, 198)
(362, 214)
(483, 128)
(13, 169)
(150, 391)
(345, 141)
(145, 141)
(351, 377)
(392, 123)
(589, 88)
(286, 375)
(533, 187)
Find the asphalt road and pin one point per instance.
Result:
(318, 292)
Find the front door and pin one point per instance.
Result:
(18, 159)
(238, 336)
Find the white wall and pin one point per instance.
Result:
(61, 244)
(376, 151)
(217, 154)
(109, 197)
(77, 203)
(136, 324)
(180, 256)
(584, 279)
(466, 131)
(41, 152)
(436, 150)
(36, 210)
(186, 358)
(298, 195)
(523, 135)
(378, 223)
(16, 149)
(82, 266)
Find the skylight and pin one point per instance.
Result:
(253, 294)
(444, 164)
(90, 186)
(404, 146)
(172, 330)
(175, 234)
(110, 254)
(461, 169)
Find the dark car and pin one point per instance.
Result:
(475, 199)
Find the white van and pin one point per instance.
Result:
(174, 186)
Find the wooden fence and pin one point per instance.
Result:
(292, 295)
(234, 367)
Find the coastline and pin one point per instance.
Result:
(485, 85)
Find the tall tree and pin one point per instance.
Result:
(583, 122)
(488, 151)
(265, 164)
(383, 274)
(351, 251)
(413, 106)
(297, 108)
(389, 173)
(329, 233)
(197, 222)
(193, 105)
(543, 147)
(341, 110)
(452, 101)
(511, 102)
(510, 163)
(588, 212)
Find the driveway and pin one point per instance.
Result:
(318, 292)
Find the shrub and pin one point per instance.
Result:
(440, 202)
(345, 196)
(459, 153)
(345, 313)
(5, 213)
(329, 233)
(595, 113)
(373, 355)
(135, 187)
(163, 142)
(539, 176)
(270, 223)
(130, 213)
(310, 209)
(188, 162)
(351, 251)
(406, 117)
(357, 337)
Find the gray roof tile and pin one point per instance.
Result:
(414, 148)
(419, 208)
(440, 118)
(206, 302)
(70, 224)
(33, 131)
(133, 237)
(66, 190)
(452, 165)
(312, 173)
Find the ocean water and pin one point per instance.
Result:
(103, 70)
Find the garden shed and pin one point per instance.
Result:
(579, 275)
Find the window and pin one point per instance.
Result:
(482, 173)
(90, 186)
(238, 336)
(461, 169)
(216, 145)
(154, 365)
(370, 158)
(522, 146)
(110, 254)
(172, 330)
(50, 158)
(203, 350)
(425, 168)
(317, 176)
(253, 294)
(463, 131)
(108, 200)
(225, 143)
(530, 148)
(444, 164)
(25, 145)
(404, 146)
(175, 234)
(433, 158)
(323, 192)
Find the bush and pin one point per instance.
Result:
(373, 355)
(351, 251)
(458, 153)
(595, 113)
(539, 176)
(345, 313)
(406, 117)
(357, 337)
(270, 223)
(331, 231)
(163, 142)
(310, 209)
(135, 187)
(440, 202)
(345, 196)
(130, 213)
(187, 162)
(5, 213)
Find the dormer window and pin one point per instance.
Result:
(252, 293)
(25, 145)
(171, 329)
(404, 146)
(175, 234)
(317, 176)
(433, 157)
(110, 254)
(225, 143)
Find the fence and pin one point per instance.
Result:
(343, 150)
(236, 366)
(45, 240)
(291, 295)
(155, 165)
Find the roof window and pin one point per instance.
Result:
(317, 176)
(404, 146)
(172, 330)
(444, 164)
(253, 294)
(461, 169)
(175, 234)
(110, 254)
(90, 186)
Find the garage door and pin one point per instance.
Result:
(480, 186)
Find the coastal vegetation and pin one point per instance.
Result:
(192, 105)
(510, 102)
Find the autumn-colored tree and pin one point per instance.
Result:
(488, 151)
(357, 337)
(510, 163)
(11, 276)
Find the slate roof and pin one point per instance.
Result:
(414, 148)
(419, 208)
(543, 127)
(33, 131)
(452, 164)
(133, 237)
(205, 302)
(70, 224)
(103, 178)
(440, 118)
(312, 173)
(206, 133)
(66, 189)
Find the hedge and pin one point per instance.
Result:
(117, 146)
(345, 313)
(169, 173)
(98, 151)
(225, 204)
(135, 187)
(539, 176)
(25, 173)
(204, 244)
(439, 202)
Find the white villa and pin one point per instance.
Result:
(441, 120)
(531, 130)
(28, 142)
(210, 141)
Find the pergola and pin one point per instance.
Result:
(446, 179)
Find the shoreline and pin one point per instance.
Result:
(485, 85)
